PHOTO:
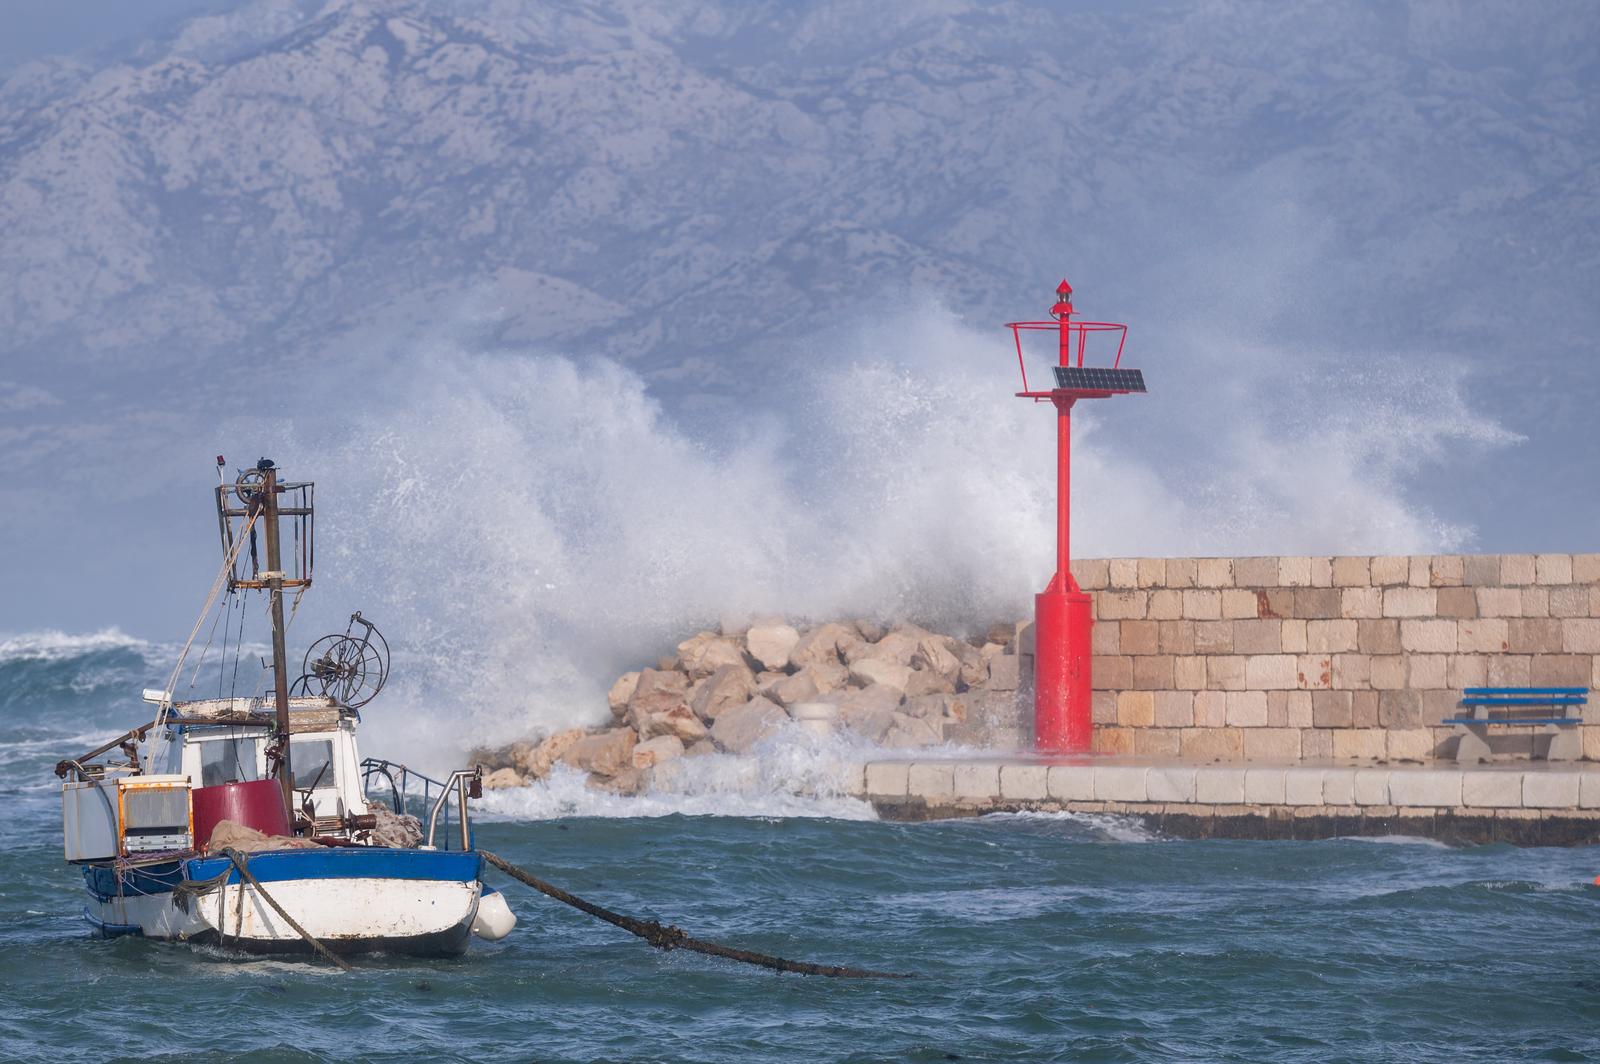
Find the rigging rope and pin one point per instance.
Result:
(670, 937)
(211, 600)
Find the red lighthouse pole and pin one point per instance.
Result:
(1063, 621)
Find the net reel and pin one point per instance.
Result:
(349, 668)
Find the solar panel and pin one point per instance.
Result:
(1099, 379)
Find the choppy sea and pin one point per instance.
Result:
(1034, 937)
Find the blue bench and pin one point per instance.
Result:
(1558, 708)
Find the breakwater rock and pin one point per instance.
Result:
(895, 685)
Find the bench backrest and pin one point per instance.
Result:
(1525, 696)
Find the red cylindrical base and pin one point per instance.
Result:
(1063, 687)
(255, 804)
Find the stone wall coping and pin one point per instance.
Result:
(1175, 781)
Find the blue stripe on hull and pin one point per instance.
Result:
(352, 862)
(274, 866)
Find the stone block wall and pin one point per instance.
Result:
(1331, 657)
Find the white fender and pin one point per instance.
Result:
(495, 918)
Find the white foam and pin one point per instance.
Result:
(53, 645)
(526, 527)
(790, 774)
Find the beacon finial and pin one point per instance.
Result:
(1063, 305)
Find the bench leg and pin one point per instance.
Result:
(1566, 744)
(1473, 745)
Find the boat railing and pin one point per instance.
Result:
(464, 784)
(421, 795)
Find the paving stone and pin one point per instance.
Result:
(1214, 572)
(1589, 790)
(1480, 570)
(1294, 572)
(1483, 635)
(1389, 570)
(1361, 602)
(1329, 637)
(1339, 786)
(1272, 744)
(1265, 672)
(1255, 572)
(1219, 786)
(1264, 786)
(1458, 602)
(1303, 786)
(855, 780)
(1139, 637)
(1151, 572)
(1446, 570)
(1586, 568)
(1362, 744)
(1294, 636)
(1157, 742)
(1372, 786)
(1247, 709)
(1181, 573)
(1318, 603)
(1239, 604)
(1024, 782)
(887, 779)
(1122, 605)
(1352, 572)
(1409, 602)
(1171, 784)
(1092, 574)
(1409, 744)
(1550, 790)
(1553, 568)
(1435, 787)
(1516, 569)
(931, 779)
(1258, 637)
(1120, 783)
(1071, 783)
(1428, 636)
(1580, 635)
(977, 780)
(1174, 709)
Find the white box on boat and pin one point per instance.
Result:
(102, 819)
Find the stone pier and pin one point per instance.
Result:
(1527, 803)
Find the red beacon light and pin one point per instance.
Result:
(1063, 682)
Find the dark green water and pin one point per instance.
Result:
(1035, 938)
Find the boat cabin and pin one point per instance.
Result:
(226, 740)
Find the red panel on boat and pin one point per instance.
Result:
(255, 804)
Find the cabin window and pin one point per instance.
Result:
(227, 761)
(312, 763)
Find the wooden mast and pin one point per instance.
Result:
(280, 665)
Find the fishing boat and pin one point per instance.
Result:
(251, 821)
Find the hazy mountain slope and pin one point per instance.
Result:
(665, 182)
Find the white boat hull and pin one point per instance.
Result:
(344, 910)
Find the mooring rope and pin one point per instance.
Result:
(185, 894)
(242, 863)
(669, 937)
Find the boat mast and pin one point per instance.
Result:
(268, 501)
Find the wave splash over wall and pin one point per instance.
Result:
(532, 525)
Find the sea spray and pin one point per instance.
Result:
(525, 527)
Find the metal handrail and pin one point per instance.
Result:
(458, 783)
(379, 766)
